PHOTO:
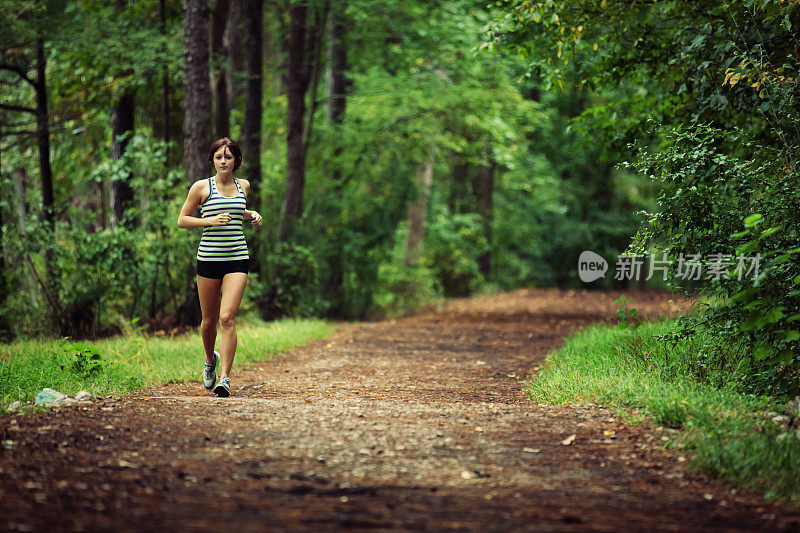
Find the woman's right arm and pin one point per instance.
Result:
(186, 220)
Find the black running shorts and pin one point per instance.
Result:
(218, 269)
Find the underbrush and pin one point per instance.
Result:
(736, 422)
(122, 364)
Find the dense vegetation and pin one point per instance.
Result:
(707, 108)
(443, 170)
(401, 151)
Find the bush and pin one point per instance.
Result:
(294, 282)
(738, 213)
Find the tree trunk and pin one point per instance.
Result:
(336, 80)
(417, 212)
(196, 127)
(43, 136)
(253, 65)
(233, 44)
(337, 83)
(165, 123)
(121, 123)
(19, 198)
(4, 292)
(219, 20)
(298, 85)
(485, 209)
(459, 194)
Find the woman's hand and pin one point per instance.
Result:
(255, 218)
(219, 220)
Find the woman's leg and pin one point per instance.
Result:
(208, 291)
(233, 285)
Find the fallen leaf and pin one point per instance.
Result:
(609, 432)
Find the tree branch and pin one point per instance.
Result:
(18, 108)
(20, 72)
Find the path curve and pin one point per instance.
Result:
(412, 424)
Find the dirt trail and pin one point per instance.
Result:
(414, 424)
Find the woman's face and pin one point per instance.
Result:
(223, 160)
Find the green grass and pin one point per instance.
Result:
(134, 361)
(724, 429)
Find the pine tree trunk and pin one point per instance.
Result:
(196, 127)
(46, 173)
(219, 20)
(4, 292)
(19, 198)
(233, 44)
(165, 122)
(417, 212)
(121, 123)
(253, 65)
(337, 83)
(336, 79)
(485, 209)
(298, 85)
(43, 136)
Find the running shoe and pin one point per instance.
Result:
(210, 373)
(223, 388)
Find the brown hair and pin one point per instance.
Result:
(233, 146)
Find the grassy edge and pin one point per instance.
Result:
(122, 365)
(725, 433)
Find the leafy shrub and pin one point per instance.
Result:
(747, 212)
(294, 282)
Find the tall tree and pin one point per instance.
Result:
(121, 127)
(305, 46)
(43, 134)
(485, 192)
(337, 84)
(197, 94)
(165, 122)
(233, 45)
(337, 67)
(418, 211)
(219, 20)
(196, 126)
(296, 109)
(253, 65)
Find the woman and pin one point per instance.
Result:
(222, 258)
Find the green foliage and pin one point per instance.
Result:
(295, 282)
(403, 286)
(625, 315)
(709, 94)
(744, 214)
(452, 246)
(100, 277)
(655, 370)
(87, 360)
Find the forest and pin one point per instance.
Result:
(399, 152)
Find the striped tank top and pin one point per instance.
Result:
(223, 243)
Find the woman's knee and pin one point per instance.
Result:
(209, 322)
(227, 319)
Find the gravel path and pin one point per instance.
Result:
(413, 424)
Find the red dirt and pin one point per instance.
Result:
(414, 424)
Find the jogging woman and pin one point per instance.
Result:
(222, 258)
